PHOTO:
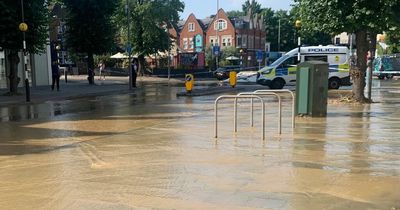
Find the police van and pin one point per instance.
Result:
(283, 71)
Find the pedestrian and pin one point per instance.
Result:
(134, 73)
(91, 76)
(102, 66)
(55, 73)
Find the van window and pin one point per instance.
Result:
(316, 58)
(290, 62)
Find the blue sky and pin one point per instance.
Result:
(205, 8)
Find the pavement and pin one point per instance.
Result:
(78, 87)
(150, 149)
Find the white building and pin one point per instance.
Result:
(39, 69)
(344, 39)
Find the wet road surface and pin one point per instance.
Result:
(150, 149)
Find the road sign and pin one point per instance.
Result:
(259, 55)
(128, 49)
(216, 50)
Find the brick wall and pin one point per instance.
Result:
(191, 28)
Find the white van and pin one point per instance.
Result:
(283, 71)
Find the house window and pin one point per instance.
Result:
(224, 42)
(213, 41)
(191, 43)
(221, 24)
(239, 41)
(185, 43)
(191, 26)
(229, 42)
(337, 40)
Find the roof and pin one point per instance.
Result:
(205, 22)
(179, 25)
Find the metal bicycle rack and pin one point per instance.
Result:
(237, 97)
(260, 94)
(293, 102)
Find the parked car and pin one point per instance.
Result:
(222, 73)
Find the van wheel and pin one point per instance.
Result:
(277, 83)
(334, 83)
(389, 76)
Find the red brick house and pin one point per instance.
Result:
(191, 43)
(244, 33)
(192, 28)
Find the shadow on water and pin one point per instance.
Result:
(92, 104)
(22, 131)
(15, 144)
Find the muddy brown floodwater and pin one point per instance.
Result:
(154, 150)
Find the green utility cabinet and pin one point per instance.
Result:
(312, 88)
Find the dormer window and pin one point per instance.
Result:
(191, 27)
(220, 25)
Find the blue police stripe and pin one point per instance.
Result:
(281, 72)
(333, 68)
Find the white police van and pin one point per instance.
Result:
(283, 71)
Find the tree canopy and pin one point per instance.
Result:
(36, 17)
(11, 38)
(365, 18)
(149, 20)
(234, 13)
(251, 6)
(89, 26)
(90, 29)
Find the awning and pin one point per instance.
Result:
(232, 58)
(119, 56)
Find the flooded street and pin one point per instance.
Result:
(151, 149)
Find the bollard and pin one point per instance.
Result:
(27, 90)
(189, 82)
(232, 78)
(65, 75)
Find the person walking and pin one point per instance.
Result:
(102, 71)
(134, 73)
(55, 73)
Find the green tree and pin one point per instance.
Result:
(252, 7)
(393, 40)
(309, 37)
(287, 29)
(149, 19)
(36, 17)
(235, 13)
(90, 29)
(225, 52)
(288, 38)
(354, 16)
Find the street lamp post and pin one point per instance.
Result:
(127, 8)
(24, 27)
(279, 35)
(241, 58)
(216, 33)
(298, 27)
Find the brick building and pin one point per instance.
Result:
(244, 33)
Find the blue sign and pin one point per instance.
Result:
(216, 50)
(259, 55)
(128, 49)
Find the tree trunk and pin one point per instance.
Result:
(142, 65)
(13, 60)
(90, 61)
(358, 72)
